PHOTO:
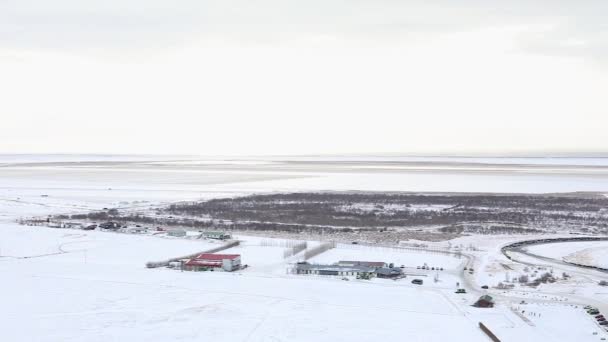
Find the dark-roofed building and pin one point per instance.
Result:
(484, 301)
(363, 263)
(389, 272)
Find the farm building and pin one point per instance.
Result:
(375, 264)
(134, 230)
(177, 233)
(209, 261)
(389, 272)
(73, 225)
(215, 235)
(110, 225)
(334, 270)
(484, 301)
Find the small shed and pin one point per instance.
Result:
(484, 301)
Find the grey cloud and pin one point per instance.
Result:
(111, 24)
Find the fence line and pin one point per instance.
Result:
(487, 331)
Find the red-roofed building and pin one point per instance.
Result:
(209, 261)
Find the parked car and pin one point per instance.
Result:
(345, 279)
(417, 281)
(485, 287)
(459, 291)
(603, 323)
(601, 319)
(593, 312)
(599, 316)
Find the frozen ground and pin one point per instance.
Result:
(70, 285)
(109, 295)
(162, 178)
(585, 253)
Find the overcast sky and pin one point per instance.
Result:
(302, 77)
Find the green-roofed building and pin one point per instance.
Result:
(215, 235)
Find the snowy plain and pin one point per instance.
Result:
(70, 285)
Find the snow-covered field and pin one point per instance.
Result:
(585, 253)
(72, 285)
(108, 294)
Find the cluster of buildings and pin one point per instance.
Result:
(137, 229)
(359, 269)
(215, 235)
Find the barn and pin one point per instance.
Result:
(210, 262)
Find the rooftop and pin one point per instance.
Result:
(211, 256)
(364, 263)
(335, 268)
(389, 271)
(487, 298)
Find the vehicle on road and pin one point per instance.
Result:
(417, 281)
(461, 291)
(485, 287)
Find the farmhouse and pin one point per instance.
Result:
(334, 270)
(211, 262)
